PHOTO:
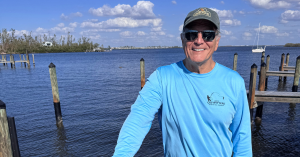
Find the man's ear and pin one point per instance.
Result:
(217, 42)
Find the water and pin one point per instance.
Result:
(96, 92)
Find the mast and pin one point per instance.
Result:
(258, 35)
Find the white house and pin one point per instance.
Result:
(47, 43)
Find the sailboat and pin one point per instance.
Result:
(258, 49)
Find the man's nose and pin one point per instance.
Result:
(199, 40)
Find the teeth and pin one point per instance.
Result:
(198, 49)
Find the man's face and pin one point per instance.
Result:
(200, 51)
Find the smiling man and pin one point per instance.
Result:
(202, 105)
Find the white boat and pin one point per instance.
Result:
(258, 49)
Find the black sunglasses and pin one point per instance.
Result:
(207, 35)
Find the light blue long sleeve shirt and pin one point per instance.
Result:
(203, 115)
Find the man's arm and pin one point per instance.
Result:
(241, 127)
(138, 122)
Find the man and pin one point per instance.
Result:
(204, 108)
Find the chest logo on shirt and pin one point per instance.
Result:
(215, 99)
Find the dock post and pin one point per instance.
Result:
(296, 76)
(235, 61)
(56, 100)
(261, 87)
(21, 60)
(3, 59)
(33, 60)
(252, 85)
(27, 59)
(5, 142)
(13, 136)
(11, 60)
(281, 65)
(142, 64)
(286, 64)
(262, 59)
(263, 53)
(24, 60)
(267, 69)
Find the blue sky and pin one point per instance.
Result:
(152, 23)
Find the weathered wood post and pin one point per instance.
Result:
(286, 64)
(262, 60)
(33, 60)
(56, 100)
(13, 136)
(263, 53)
(267, 69)
(11, 62)
(3, 59)
(252, 85)
(24, 60)
(27, 59)
(296, 76)
(261, 87)
(21, 60)
(281, 65)
(5, 142)
(142, 64)
(235, 61)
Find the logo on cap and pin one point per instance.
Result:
(202, 11)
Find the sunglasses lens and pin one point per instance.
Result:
(191, 36)
(208, 36)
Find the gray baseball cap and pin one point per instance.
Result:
(202, 13)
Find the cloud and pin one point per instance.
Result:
(270, 4)
(156, 29)
(77, 14)
(267, 29)
(72, 15)
(223, 13)
(241, 12)
(225, 32)
(174, 2)
(62, 29)
(157, 33)
(126, 34)
(222, 2)
(140, 33)
(21, 32)
(60, 25)
(181, 28)
(247, 34)
(73, 25)
(123, 22)
(282, 34)
(290, 15)
(232, 22)
(94, 32)
(41, 30)
(143, 9)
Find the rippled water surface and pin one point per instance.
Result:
(96, 92)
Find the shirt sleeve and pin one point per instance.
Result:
(138, 122)
(241, 126)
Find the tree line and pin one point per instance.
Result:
(292, 45)
(10, 43)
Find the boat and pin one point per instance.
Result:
(258, 49)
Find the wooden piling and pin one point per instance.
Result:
(5, 142)
(263, 53)
(286, 64)
(3, 59)
(55, 93)
(252, 85)
(262, 60)
(261, 87)
(10, 59)
(27, 59)
(267, 69)
(13, 136)
(33, 60)
(24, 60)
(296, 76)
(142, 64)
(235, 61)
(281, 66)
